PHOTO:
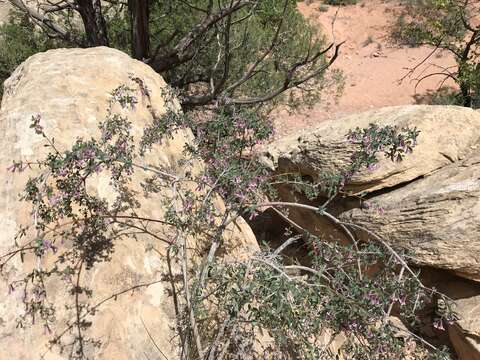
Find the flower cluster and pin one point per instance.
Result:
(393, 142)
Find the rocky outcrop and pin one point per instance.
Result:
(436, 218)
(70, 90)
(447, 134)
(428, 203)
(465, 333)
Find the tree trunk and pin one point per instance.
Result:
(93, 21)
(466, 96)
(140, 14)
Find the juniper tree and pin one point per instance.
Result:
(243, 52)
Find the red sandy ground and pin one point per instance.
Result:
(372, 72)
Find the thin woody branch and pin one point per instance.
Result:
(43, 20)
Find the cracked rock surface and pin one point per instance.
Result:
(429, 203)
(437, 218)
(447, 134)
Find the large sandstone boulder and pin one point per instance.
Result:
(437, 218)
(70, 90)
(447, 134)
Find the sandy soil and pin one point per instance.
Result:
(371, 64)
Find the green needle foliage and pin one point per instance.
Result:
(230, 52)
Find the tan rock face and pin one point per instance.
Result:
(465, 333)
(437, 218)
(428, 204)
(447, 134)
(70, 90)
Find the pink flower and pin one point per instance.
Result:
(47, 244)
(12, 168)
(62, 172)
(374, 299)
(438, 324)
(46, 330)
(16, 166)
(188, 205)
(53, 200)
(372, 167)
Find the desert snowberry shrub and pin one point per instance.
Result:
(223, 305)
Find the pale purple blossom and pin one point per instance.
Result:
(372, 167)
(53, 200)
(373, 298)
(438, 324)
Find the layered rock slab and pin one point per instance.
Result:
(465, 333)
(436, 218)
(447, 134)
(428, 203)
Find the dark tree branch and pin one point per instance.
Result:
(162, 45)
(44, 21)
(465, 21)
(197, 8)
(252, 69)
(289, 82)
(59, 6)
(465, 86)
(183, 51)
(216, 86)
(446, 75)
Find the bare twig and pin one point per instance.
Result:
(152, 339)
(286, 244)
(44, 20)
(289, 82)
